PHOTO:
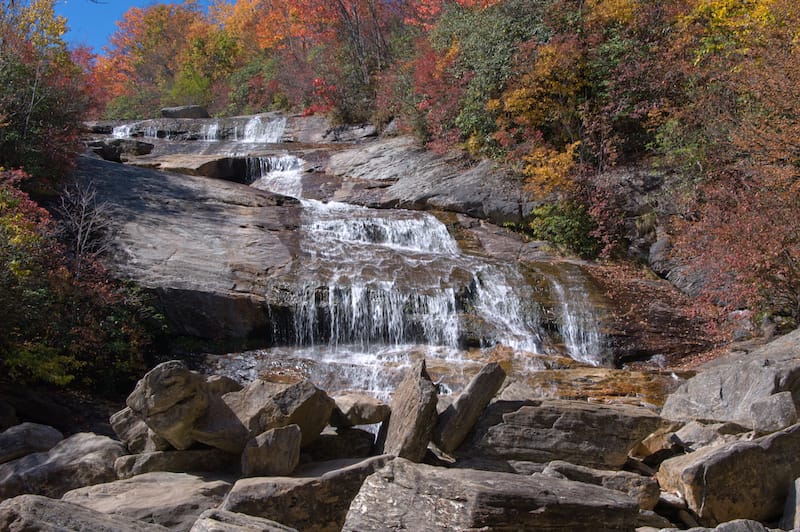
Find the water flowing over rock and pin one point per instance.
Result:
(408, 496)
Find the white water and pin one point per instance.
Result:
(209, 132)
(257, 130)
(374, 286)
(578, 322)
(123, 131)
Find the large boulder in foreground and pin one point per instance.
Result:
(81, 460)
(35, 512)
(315, 499)
(409, 496)
(741, 480)
(173, 500)
(582, 433)
(413, 415)
(744, 388)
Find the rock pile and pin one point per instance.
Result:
(205, 453)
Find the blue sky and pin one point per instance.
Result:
(92, 23)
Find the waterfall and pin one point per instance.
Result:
(278, 174)
(210, 132)
(256, 130)
(578, 323)
(122, 132)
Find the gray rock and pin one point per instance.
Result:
(338, 444)
(37, 513)
(409, 496)
(81, 460)
(222, 521)
(396, 172)
(593, 435)
(206, 247)
(135, 433)
(644, 490)
(185, 111)
(791, 510)
(189, 461)
(458, 419)
(697, 434)
(170, 399)
(233, 420)
(726, 390)
(275, 452)
(27, 438)
(774, 412)
(741, 480)
(316, 499)
(413, 415)
(173, 500)
(358, 409)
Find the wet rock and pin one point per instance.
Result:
(135, 433)
(457, 420)
(81, 460)
(170, 399)
(27, 438)
(587, 434)
(173, 500)
(190, 461)
(358, 409)
(409, 496)
(118, 150)
(317, 498)
(741, 480)
(222, 521)
(740, 386)
(413, 415)
(643, 490)
(275, 452)
(185, 111)
(34, 513)
(339, 444)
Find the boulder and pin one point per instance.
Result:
(234, 419)
(696, 434)
(643, 490)
(185, 111)
(740, 480)
(189, 461)
(173, 500)
(413, 415)
(222, 521)
(791, 510)
(34, 512)
(740, 386)
(593, 435)
(82, 459)
(315, 499)
(338, 444)
(408, 496)
(458, 419)
(275, 452)
(358, 409)
(170, 398)
(135, 433)
(27, 438)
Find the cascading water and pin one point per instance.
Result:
(578, 323)
(210, 132)
(259, 130)
(375, 289)
(121, 132)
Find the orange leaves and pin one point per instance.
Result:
(551, 171)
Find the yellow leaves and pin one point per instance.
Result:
(39, 22)
(728, 25)
(605, 12)
(549, 170)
